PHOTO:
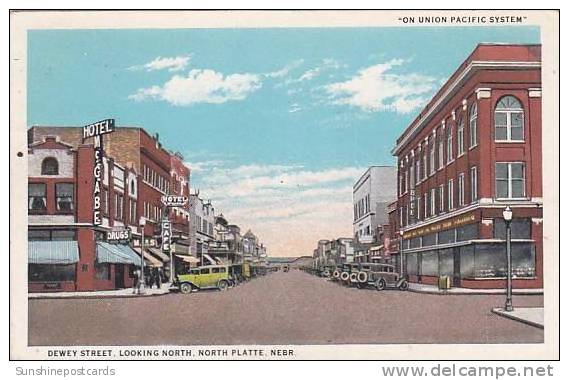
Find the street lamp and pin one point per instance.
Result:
(507, 214)
(401, 252)
(142, 223)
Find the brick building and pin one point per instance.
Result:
(473, 150)
(138, 171)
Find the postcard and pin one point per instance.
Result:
(284, 185)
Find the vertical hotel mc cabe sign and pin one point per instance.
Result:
(97, 130)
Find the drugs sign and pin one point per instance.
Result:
(118, 235)
(174, 200)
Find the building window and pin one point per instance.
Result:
(473, 126)
(473, 184)
(432, 154)
(449, 144)
(461, 189)
(419, 207)
(51, 272)
(412, 175)
(64, 197)
(132, 213)
(37, 200)
(102, 271)
(119, 206)
(441, 198)
(49, 166)
(441, 150)
(460, 137)
(433, 201)
(510, 180)
(426, 205)
(509, 119)
(450, 194)
(425, 163)
(418, 170)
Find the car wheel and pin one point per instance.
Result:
(361, 285)
(380, 285)
(223, 285)
(404, 285)
(185, 288)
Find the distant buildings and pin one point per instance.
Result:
(333, 252)
(372, 194)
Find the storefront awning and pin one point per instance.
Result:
(116, 254)
(180, 248)
(208, 258)
(159, 254)
(150, 260)
(376, 248)
(188, 259)
(53, 252)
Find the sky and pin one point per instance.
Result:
(275, 124)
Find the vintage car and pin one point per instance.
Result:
(380, 276)
(205, 277)
(348, 272)
(336, 273)
(236, 274)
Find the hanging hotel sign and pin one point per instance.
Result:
(174, 200)
(457, 221)
(166, 235)
(97, 130)
(119, 235)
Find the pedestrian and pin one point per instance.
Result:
(137, 281)
(157, 279)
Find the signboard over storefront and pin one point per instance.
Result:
(174, 200)
(118, 235)
(441, 226)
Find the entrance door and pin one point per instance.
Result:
(456, 271)
(119, 276)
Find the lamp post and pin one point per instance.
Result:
(401, 252)
(142, 223)
(507, 214)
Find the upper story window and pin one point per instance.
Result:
(64, 196)
(49, 166)
(472, 116)
(441, 152)
(432, 154)
(449, 144)
(37, 199)
(510, 180)
(509, 119)
(460, 137)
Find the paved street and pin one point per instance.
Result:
(281, 308)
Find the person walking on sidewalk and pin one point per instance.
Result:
(137, 281)
(157, 277)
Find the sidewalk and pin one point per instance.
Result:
(532, 316)
(433, 289)
(120, 293)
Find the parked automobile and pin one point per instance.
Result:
(205, 277)
(336, 273)
(236, 274)
(286, 268)
(327, 270)
(380, 276)
(348, 272)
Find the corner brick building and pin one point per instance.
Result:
(473, 150)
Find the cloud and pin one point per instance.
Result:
(376, 88)
(294, 107)
(201, 86)
(327, 64)
(285, 70)
(164, 63)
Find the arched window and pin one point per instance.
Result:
(49, 166)
(472, 116)
(509, 119)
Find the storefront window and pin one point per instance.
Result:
(468, 232)
(412, 264)
(102, 271)
(446, 262)
(521, 228)
(429, 240)
(47, 235)
(45, 272)
(447, 236)
(430, 263)
(490, 260)
(467, 261)
(415, 243)
(39, 235)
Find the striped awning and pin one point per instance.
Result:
(188, 259)
(158, 253)
(149, 260)
(53, 252)
(116, 254)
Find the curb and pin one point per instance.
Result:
(98, 297)
(474, 293)
(517, 319)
